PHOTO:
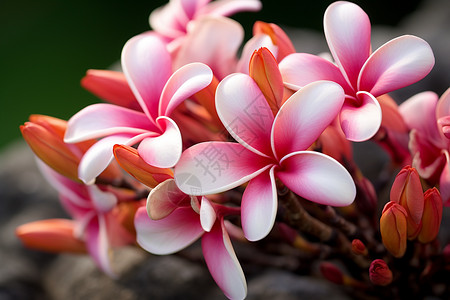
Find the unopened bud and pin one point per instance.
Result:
(379, 273)
(432, 216)
(393, 228)
(331, 272)
(407, 191)
(358, 247)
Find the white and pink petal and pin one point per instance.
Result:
(259, 206)
(304, 116)
(169, 235)
(223, 263)
(245, 112)
(317, 177)
(360, 121)
(214, 167)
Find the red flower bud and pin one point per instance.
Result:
(331, 272)
(358, 247)
(379, 273)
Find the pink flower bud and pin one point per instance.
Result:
(393, 228)
(432, 216)
(379, 273)
(407, 191)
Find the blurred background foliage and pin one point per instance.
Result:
(46, 46)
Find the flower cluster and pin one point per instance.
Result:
(196, 142)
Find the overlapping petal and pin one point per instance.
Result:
(444, 181)
(162, 151)
(213, 41)
(223, 263)
(317, 177)
(304, 116)
(256, 42)
(259, 206)
(147, 66)
(347, 30)
(207, 215)
(398, 63)
(214, 167)
(164, 199)
(361, 121)
(245, 113)
(103, 119)
(300, 69)
(185, 82)
(443, 106)
(169, 235)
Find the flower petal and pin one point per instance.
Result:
(102, 201)
(111, 86)
(245, 113)
(304, 116)
(223, 263)
(98, 157)
(103, 119)
(162, 151)
(444, 181)
(318, 178)
(147, 66)
(213, 41)
(419, 112)
(300, 69)
(398, 63)
(164, 199)
(98, 245)
(361, 122)
(207, 214)
(169, 235)
(259, 206)
(443, 106)
(185, 82)
(229, 7)
(214, 167)
(347, 30)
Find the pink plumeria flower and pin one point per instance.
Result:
(92, 210)
(148, 69)
(171, 20)
(174, 220)
(363, 75)
(268, 147)
(425, 114)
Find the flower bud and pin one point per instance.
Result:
(52, 235)
(263, 68)
(432, 216)
(331, 272)
(278, 37)
(407, 191)
(393, 228)
(358, 247)
(379, 273)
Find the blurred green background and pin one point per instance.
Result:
(46, 46)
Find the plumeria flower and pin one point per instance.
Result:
(173, 220)
(172, 20)
(268, 147)
(95, 213)
(148, 69)
(363, 75)
(424, 114)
